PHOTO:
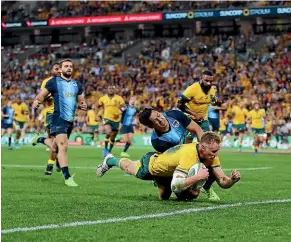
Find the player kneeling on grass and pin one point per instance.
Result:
(171, 169)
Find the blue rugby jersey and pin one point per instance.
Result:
(178, 123)
(128, 115)
(65, 94)
(10, 112)
(213, 113)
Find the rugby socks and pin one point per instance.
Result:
(41, 140)
(50, 165)
(111, 145)
(106, 141)
(66, 172)
(51, 162)
(9, 141)
(92, 137)
(113, 161)
(126, 147)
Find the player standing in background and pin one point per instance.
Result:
(7, 115)
(170, 169)
(67, 93)
(93, 125)
(256, 118)
(21, 117)
(48, 112)
(195, 101)
(213, 113)
(239, 114)
(169, 128)
(113, 106)
(224, 127)
(268, 130)
(127, 126)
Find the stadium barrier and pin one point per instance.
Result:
(144, 140)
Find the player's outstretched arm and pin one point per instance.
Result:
(40, 98)
(193, 127)
(181, 182)
(224, 181)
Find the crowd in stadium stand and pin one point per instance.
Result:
(19, 11)
(157, 81)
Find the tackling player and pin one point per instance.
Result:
(169, 128)
(170, 169)
(66, 93)
(7, 115)
(113, 106)
(21, 117)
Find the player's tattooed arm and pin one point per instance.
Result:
(224, 181)
(193, 127)
(182, 106)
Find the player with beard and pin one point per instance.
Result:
(195, 101)
(66, 93)
(55, 71)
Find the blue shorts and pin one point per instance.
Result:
(7, 126)
(214, 122)
(126, 129)
(60, 126)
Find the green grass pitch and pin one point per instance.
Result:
(31, 199)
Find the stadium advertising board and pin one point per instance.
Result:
(143, 140)
(227, 13)
(27, 23)
(91, 20)
(152, 17)
(128, 18)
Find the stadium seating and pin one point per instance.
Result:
(158, 81)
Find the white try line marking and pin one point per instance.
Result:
(94, 167)
(147, 216)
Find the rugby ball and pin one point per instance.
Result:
(193, 171)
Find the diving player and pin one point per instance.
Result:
(170, 169)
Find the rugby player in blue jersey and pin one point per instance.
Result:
(169, 128)
(127, 125)
(7, 122)
(67, 93)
